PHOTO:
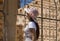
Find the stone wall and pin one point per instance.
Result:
(49, 19)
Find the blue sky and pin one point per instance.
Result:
(24, 2)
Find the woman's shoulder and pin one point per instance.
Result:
(31, 23)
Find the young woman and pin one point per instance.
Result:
(31, 31)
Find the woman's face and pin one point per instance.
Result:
(27, 15)
(30, 15)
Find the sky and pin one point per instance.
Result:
(24, 2)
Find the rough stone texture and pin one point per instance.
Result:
(49, 26)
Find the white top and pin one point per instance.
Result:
(26, 29)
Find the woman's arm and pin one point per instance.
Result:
(33, 33)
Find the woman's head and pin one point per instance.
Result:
(31, 12)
